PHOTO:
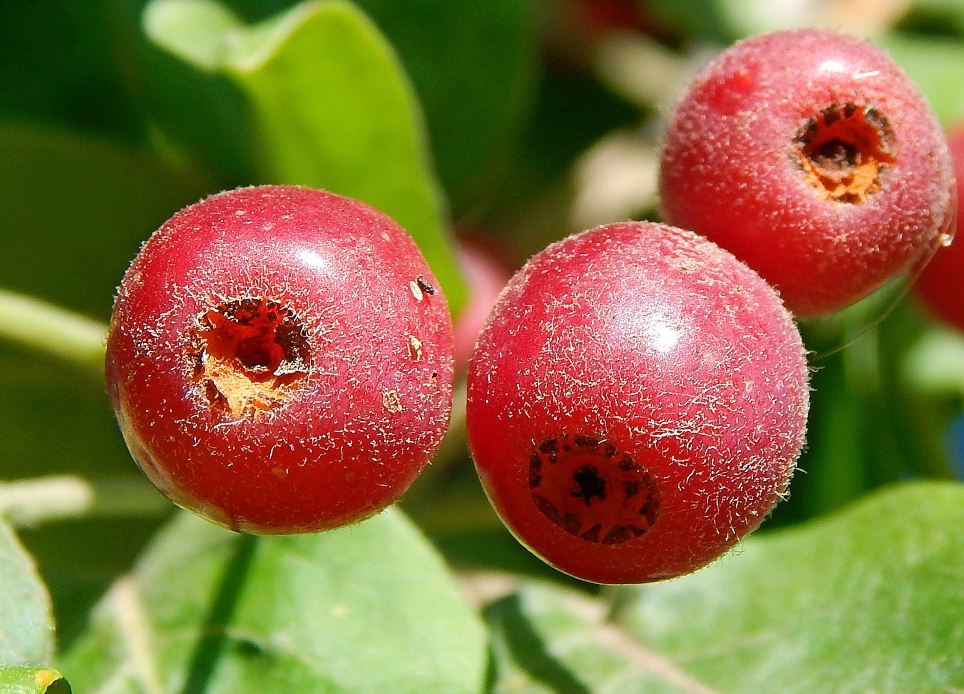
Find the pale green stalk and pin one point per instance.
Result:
(40, 325)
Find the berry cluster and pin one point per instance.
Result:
(280, 359)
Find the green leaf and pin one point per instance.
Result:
(26, 628)
(935, 65)
(195, 30)
(868, 600)
(74, 211)
(22, 680)
(368, 608)
(474, 66)
(332, 105)
(550, 640)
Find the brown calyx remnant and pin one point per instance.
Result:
(843, 152)
(248, 356)
(591, 489)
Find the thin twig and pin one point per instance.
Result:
(51, 329)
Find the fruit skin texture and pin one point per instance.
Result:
(674, 377)
(941, 284)
(763, 156)
(324, 411)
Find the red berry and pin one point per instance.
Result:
(280, 360)
(941, 284)
(636, 403)
(812, 157)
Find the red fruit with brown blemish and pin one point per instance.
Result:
(280, 360)
(636, 403)
(812, 157)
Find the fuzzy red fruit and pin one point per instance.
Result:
(941, 284)
(636, 403)
(812, 157)
(280, 360)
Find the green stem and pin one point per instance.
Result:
(30, 502)
(56, 331)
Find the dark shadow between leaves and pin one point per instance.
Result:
(213, 634)
(507, 617)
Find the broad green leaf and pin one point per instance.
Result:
(550, 640)
(22, 680)
(868, 600)
(474, 67)
(73, 211)
(332, 106)
(368, 608)
(26, 626)
(935, 65)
